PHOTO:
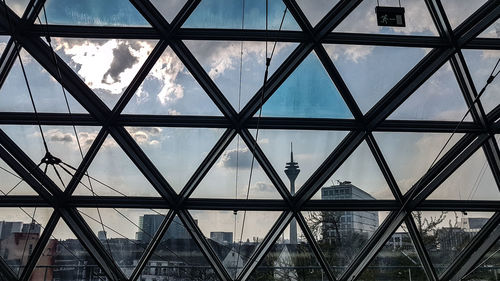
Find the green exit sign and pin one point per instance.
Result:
(390, 16)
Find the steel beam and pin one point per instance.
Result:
(420, 247)
(6, 271)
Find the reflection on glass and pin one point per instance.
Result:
(365, 71)
(439, 98)
(308, 92)
(481, 63)
(47, 92)
(397, 260)
(112, 173)
(107, 66)
(222, 61)
(229, 14)
(288, 260)
(446, 234)
(20, 230)
(233, 235)
(65, 259)
(12, 183)
(489, 266)
(93, 12)
(363, 19)
(178, 258)
(459, 10)
(169, 89)
(342, 234)
(124, 233)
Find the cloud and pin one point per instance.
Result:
(122, 59)
(263, 187)
(233, 158)
(59, 136)
(354, 53)
(145, 135)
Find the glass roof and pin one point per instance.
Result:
(248, 140)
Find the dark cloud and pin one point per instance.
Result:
(122, 59)
(234, 158)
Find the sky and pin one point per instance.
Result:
(107, 66)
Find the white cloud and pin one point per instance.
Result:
(145, 135)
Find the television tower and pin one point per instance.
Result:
(292, 171)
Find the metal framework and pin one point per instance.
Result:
(478, 134)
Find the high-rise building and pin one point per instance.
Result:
(221, 237)
(149, 224)
(347, 222)
(9, 227)
(292, 171)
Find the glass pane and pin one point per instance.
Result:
(3, 43)
(446, 234)
(481, 63)
(364, 20)
(487, 269)
(307, 92)
(224, 61)
(409, 155)
(20, 230)
(169, 8)
(234, 236)
(47, 92)
(397, 260)
(65, 259)
(176, 152)
(473, 180)
(289, 261)
(124, 233)
(107, 66)
(229, 177)
(12, 183)
(365, 69)
(315, 10)
(93, 12)
(439, 98)
(170, 89)
(459, 10)
(358, 178)
(310, 149)
(491, 32)
(177, 257)
(61, 142)
(230, 14)
(342, 234)
(18, 6)
(112, 173)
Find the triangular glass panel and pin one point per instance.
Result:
(308, 92)
(473, 180)
(310, 149)
(223, 61)
(61, 142)
(176, 152)
(169, 89)
(112, 173)
(65, 258)
(365, 72)
(439, 98)
(446, 234)
(486, 268)
(107, 66)
(317, 9)
(20, 230)
(481, 63)
(397, 260)
(234, 236)
(358, 178)
(231, 14)
(491, 32)
(124, 233)
(93, 12)
(229, 176)
(459, 10)
(168, 9)
(47, 92)
(288, 260)
(364, 19)
(342, 234)
(178, 257)
(18, 6)
(12, 183)
(410, 155)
